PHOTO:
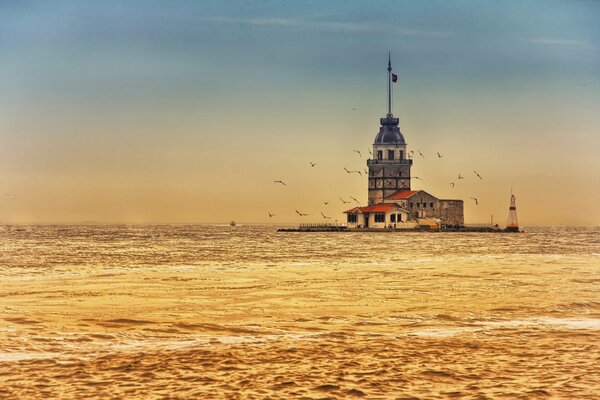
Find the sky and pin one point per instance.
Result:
(187, 111)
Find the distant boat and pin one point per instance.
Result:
(232, 223)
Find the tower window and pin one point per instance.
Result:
(401, 155)
(380, 154)
(391, 154)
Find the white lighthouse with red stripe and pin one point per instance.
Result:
(512, 225)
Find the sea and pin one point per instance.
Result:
(246, 312)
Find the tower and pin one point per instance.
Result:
(389, 170)
(512, 225)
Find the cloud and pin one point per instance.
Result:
(558, 42)
(333, 26)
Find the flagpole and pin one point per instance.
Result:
(389, 83)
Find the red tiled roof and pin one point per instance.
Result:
(402, 194)
(381, 207)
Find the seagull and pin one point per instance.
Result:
(416, 177)
(370, 152)
(478, 175)
(301, 214)
(358, 152)
(357, 202)
(282, 182)
(344, 201)
(421, 154)
(312, 164)
(353, 108)
(270, 215)
(325, 216)
(440, 155)
(452, 183)
(325, 202)
(476, 202)
(411, 152)
(460, 177)
(352, 172)
(366, 172)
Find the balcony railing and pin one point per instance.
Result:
(374, 162)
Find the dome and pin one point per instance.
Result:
(389, 133)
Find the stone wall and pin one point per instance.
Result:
(387, 179)
(423, 205)
(452, 212)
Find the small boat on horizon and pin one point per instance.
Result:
(232, 223)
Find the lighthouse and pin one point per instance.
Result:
(393, 204)
(389, 170)
(512, 225)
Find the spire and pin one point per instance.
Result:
(389, 68)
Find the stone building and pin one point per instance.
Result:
(392, 203)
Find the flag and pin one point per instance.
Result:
(394, 78)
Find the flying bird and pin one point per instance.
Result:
(352, 172)
(353, 108)
(421, 154)
(301, 214)
(366, 172)
(479, 176)
(460, 177)
(282, 182)
(357, 202)
(358, 152)
(370, 152)
(344, 201)
(416, 177)
(476, 202)
(440, 155)
(325, 202)
(324, 216)
(270, 215)
(452, 183)
(312, 164)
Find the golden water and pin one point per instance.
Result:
(217, 312)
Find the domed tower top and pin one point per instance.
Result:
(389, 132)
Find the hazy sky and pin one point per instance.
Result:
(186, 111)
